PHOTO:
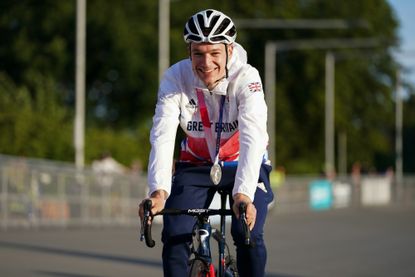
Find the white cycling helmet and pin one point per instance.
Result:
(210, 26)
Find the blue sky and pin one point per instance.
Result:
(405, 11)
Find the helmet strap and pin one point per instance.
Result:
(227, 57)
(190, 50)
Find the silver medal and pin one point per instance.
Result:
(216, 173)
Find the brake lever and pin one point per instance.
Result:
(245, 227)
(147, 216)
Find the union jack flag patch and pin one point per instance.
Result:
(256, 86)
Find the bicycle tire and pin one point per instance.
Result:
(199, 268)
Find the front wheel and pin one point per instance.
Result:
(199, 268)
(231, 273)
(231, 268)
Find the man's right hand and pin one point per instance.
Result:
(158, 199)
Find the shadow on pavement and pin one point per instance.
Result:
(92, 255)
(63, 274)
(75, 253)
(280, 275)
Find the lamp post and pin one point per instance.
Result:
(398, 138)
(79, 128)
(164, 36)
(329, 118)
(272, 48)
(268, 23)
(406, 55)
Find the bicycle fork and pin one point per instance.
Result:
(201, 244)
(201, 251)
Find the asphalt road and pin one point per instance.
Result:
(366, 242)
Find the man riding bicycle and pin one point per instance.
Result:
(218, 100)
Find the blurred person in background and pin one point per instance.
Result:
(106, 166)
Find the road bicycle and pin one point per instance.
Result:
(201, 259)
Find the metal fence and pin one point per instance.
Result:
(37, 193)
(298, 193)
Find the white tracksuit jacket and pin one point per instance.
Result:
(244, 120)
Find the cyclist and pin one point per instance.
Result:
(218, 100)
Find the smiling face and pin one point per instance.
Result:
(209, 62)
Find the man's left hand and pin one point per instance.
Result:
(250, 208)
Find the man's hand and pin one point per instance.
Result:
(250, 208)
(158, 199)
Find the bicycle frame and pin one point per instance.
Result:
(201, 233)
(221, 241)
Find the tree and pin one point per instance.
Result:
(36, 125)
(37, 53)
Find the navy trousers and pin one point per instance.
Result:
(192, 188)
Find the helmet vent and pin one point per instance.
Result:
(210, 26)
(192, 27)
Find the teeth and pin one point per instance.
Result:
(207, 71)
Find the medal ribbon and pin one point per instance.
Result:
(214, 153)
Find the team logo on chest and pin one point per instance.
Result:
(226, 127)
(192, 105)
